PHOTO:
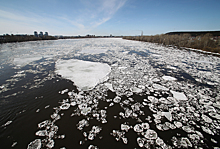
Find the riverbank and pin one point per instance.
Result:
(23, 38)
(205, 42)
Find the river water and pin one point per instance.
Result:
(107, 93)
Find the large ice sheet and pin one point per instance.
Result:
(86, 75)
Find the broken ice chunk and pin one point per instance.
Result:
(140, 142)
(159, 141)
(136, 90)
(215, 115)
(167, 115)
(47, 106)
(92, 147)
(179, 95)
(117, 99)
(125, 140)
(160, 87)
(185, 143)
(82, 123)
(145, 125)
(206, 118)
(7, 123)
(50, 144)
(150, 134)
(109, 85)
(125, 127)
(65, 106)
(152, 99)
(207, 130)
(128, 113)
(13, 145)
(85, 111)
(178, 124)
(43, 124)
(41, 133)
(36, 144)
(169, 78)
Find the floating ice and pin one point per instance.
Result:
(178, 124)
(178, 95)
(7, 123)
(160, 87)
(125, 140)
(167, 115)
(65, 106)
(185, 143)
(215, 115)
(136, 90)
(140, 142)
(109, 85)
(86, 75)
(169, 78)
(188, 129)
(86, 110)
(82, 124)
(43, 124)
(50, 144)
(95, 130)
(41, 133)
(13, 145)
(138, 128)
(207, 130)
(206, 118)
(159, 141)
(125, 127)
(150, 134)
(36, 144)
(92, 147)
(93, 50)
(117, 99)
(25, 60)
(152, 99)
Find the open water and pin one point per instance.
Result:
(107, 93)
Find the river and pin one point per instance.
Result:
(107, 93)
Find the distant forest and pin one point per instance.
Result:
(23, 38)
(204, 40)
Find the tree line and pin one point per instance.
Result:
(206, 42)
(22, 38)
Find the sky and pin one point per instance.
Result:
(105, 17)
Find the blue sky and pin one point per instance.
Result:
(105, 17)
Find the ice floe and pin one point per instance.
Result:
(84, 74)
(36, 144)
(7, 123)
(169, 78)
(179, 95)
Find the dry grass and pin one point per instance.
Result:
(206, 42)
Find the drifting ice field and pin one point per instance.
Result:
(107, 93)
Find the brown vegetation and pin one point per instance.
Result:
(205, 42)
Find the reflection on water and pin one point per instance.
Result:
(152, 97)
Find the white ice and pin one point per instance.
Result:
(86, 75)
(94, 50)
(25, 60)
(160, 87)
(179, 95)
(169, 78)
